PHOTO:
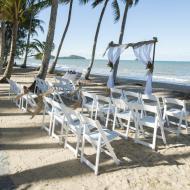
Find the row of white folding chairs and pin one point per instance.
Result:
(65, 86)
(81, 127)
(122, 112)
(170, 108)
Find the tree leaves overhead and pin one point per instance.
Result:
(37, 47)
(116, 10)
(97, 2)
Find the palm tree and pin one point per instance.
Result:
(52, 68)
(37, 49)
(129, 3)
(49, 40)
(32, 23)
(2, 44)
(115, 7)
(12, 11)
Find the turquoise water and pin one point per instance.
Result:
(165, 71)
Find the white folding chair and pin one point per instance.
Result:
(89, 102)
(73, 125)
(100, 140)
(103, 107)
(116, 93)
(48, 110)
(59, 117)
(152, 119)
(133, 97)
(28, 100)
(41, 86)
(176, 109)
(151, 100)
(122, 113)
(15, 90)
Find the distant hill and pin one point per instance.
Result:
(72, 57)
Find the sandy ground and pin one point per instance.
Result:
(30, 159)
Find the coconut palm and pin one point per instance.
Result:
(32, 23)
(2, 44)
(52, 68)
(37, 49)
(115, 7)
(12, 11)
(49, 40)
(128, 4)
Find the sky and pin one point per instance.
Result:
(168, 20)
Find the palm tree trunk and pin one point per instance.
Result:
(52, 68)
(2, 45)
(27, 43)
(49, 41)
(9, 68)
(121, 37)
(95, 40)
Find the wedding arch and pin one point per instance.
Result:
(142, 51)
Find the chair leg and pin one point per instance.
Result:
(179, 126)
(53, 127)
(154, 137)
(107, 119)
(163, 135)
(82, 149)
(78, 144)
(97, 158)
(114, 121)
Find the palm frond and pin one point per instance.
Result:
(96, 3)
(83, 2)
(116, 10)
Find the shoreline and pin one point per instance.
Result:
(156, 84)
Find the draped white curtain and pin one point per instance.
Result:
(142, 53)
(113, 55)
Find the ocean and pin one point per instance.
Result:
(164, 71)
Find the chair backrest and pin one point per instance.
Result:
(120, 104)
(86, 97)
(150, 99)
(41, 85)
(72, 116)
(56, 97)
(103, 100)
(88, 123)
(54, 106)
(174, 101)
(131, 96)
(14, 87)
(116, 93)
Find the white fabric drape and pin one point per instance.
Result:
(142, 53)
(113, 55)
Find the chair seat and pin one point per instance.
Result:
(149, 121)
(106, 108)
(124, 114)
(76, 127)
(31, 96)
(174, 112)
(94, 136)
(88, 105)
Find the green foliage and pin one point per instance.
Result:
(37, 49)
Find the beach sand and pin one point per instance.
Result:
(30, 159)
